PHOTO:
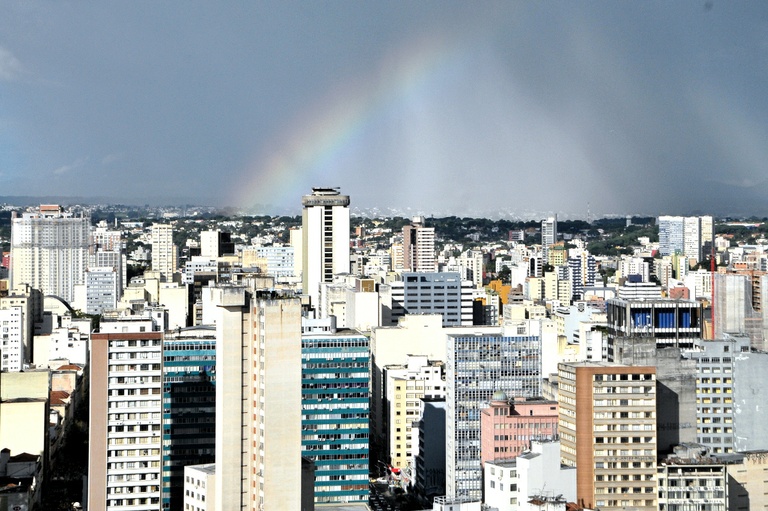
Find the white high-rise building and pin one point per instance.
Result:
(419, 247)
(101, 289)
(325, 230)
(163, 251)
(49, 251)
(548, 234)
(690, 236)
(12, 352)
(479, 363)
(124, 458)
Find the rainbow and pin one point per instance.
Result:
(308, 154)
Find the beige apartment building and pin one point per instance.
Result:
(608, 432)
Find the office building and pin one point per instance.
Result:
(608, 432)
(102, 290)
(258, 388)
(671, 322)
(124, 437)
(164, 254)
(325, 231)
(189, 407)
(443, 293)
(419, 247)
(49, 251)
(335, 413)
(279, 260)
(478, 364)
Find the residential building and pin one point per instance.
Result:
(124, 436)
(689, 236)
(608, 432)
(49, 250)
(216, 243)
(690, 479)
(729, 396)
(258, 387)
(407, 384)
(548, 234)
(199, 488)
(164, 252)
(325, 230)
(419, 247)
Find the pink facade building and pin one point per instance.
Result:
(507, 426)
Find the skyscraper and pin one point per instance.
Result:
(49, 250)
(258, 391)
(124, 460)
(691, 236)
(479, 363)
(325, 231)
(419, 247)
(548, 234)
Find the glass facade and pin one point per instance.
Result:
(189, 407)
(335, 413)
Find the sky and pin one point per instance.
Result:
(431, 107)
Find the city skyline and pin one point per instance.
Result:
(621, 108)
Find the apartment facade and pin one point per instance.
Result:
(608, 432)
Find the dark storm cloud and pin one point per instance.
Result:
(632, 107)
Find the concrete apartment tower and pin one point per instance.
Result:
(124, 458)
(49, 250)
(608, 432)
(163, 251)
(325, 243)
(258, 400)
(548, 234)
(419, 247)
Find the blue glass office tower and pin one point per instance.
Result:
(189, 407)
(335, 410)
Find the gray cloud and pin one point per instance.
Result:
(443, 107)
